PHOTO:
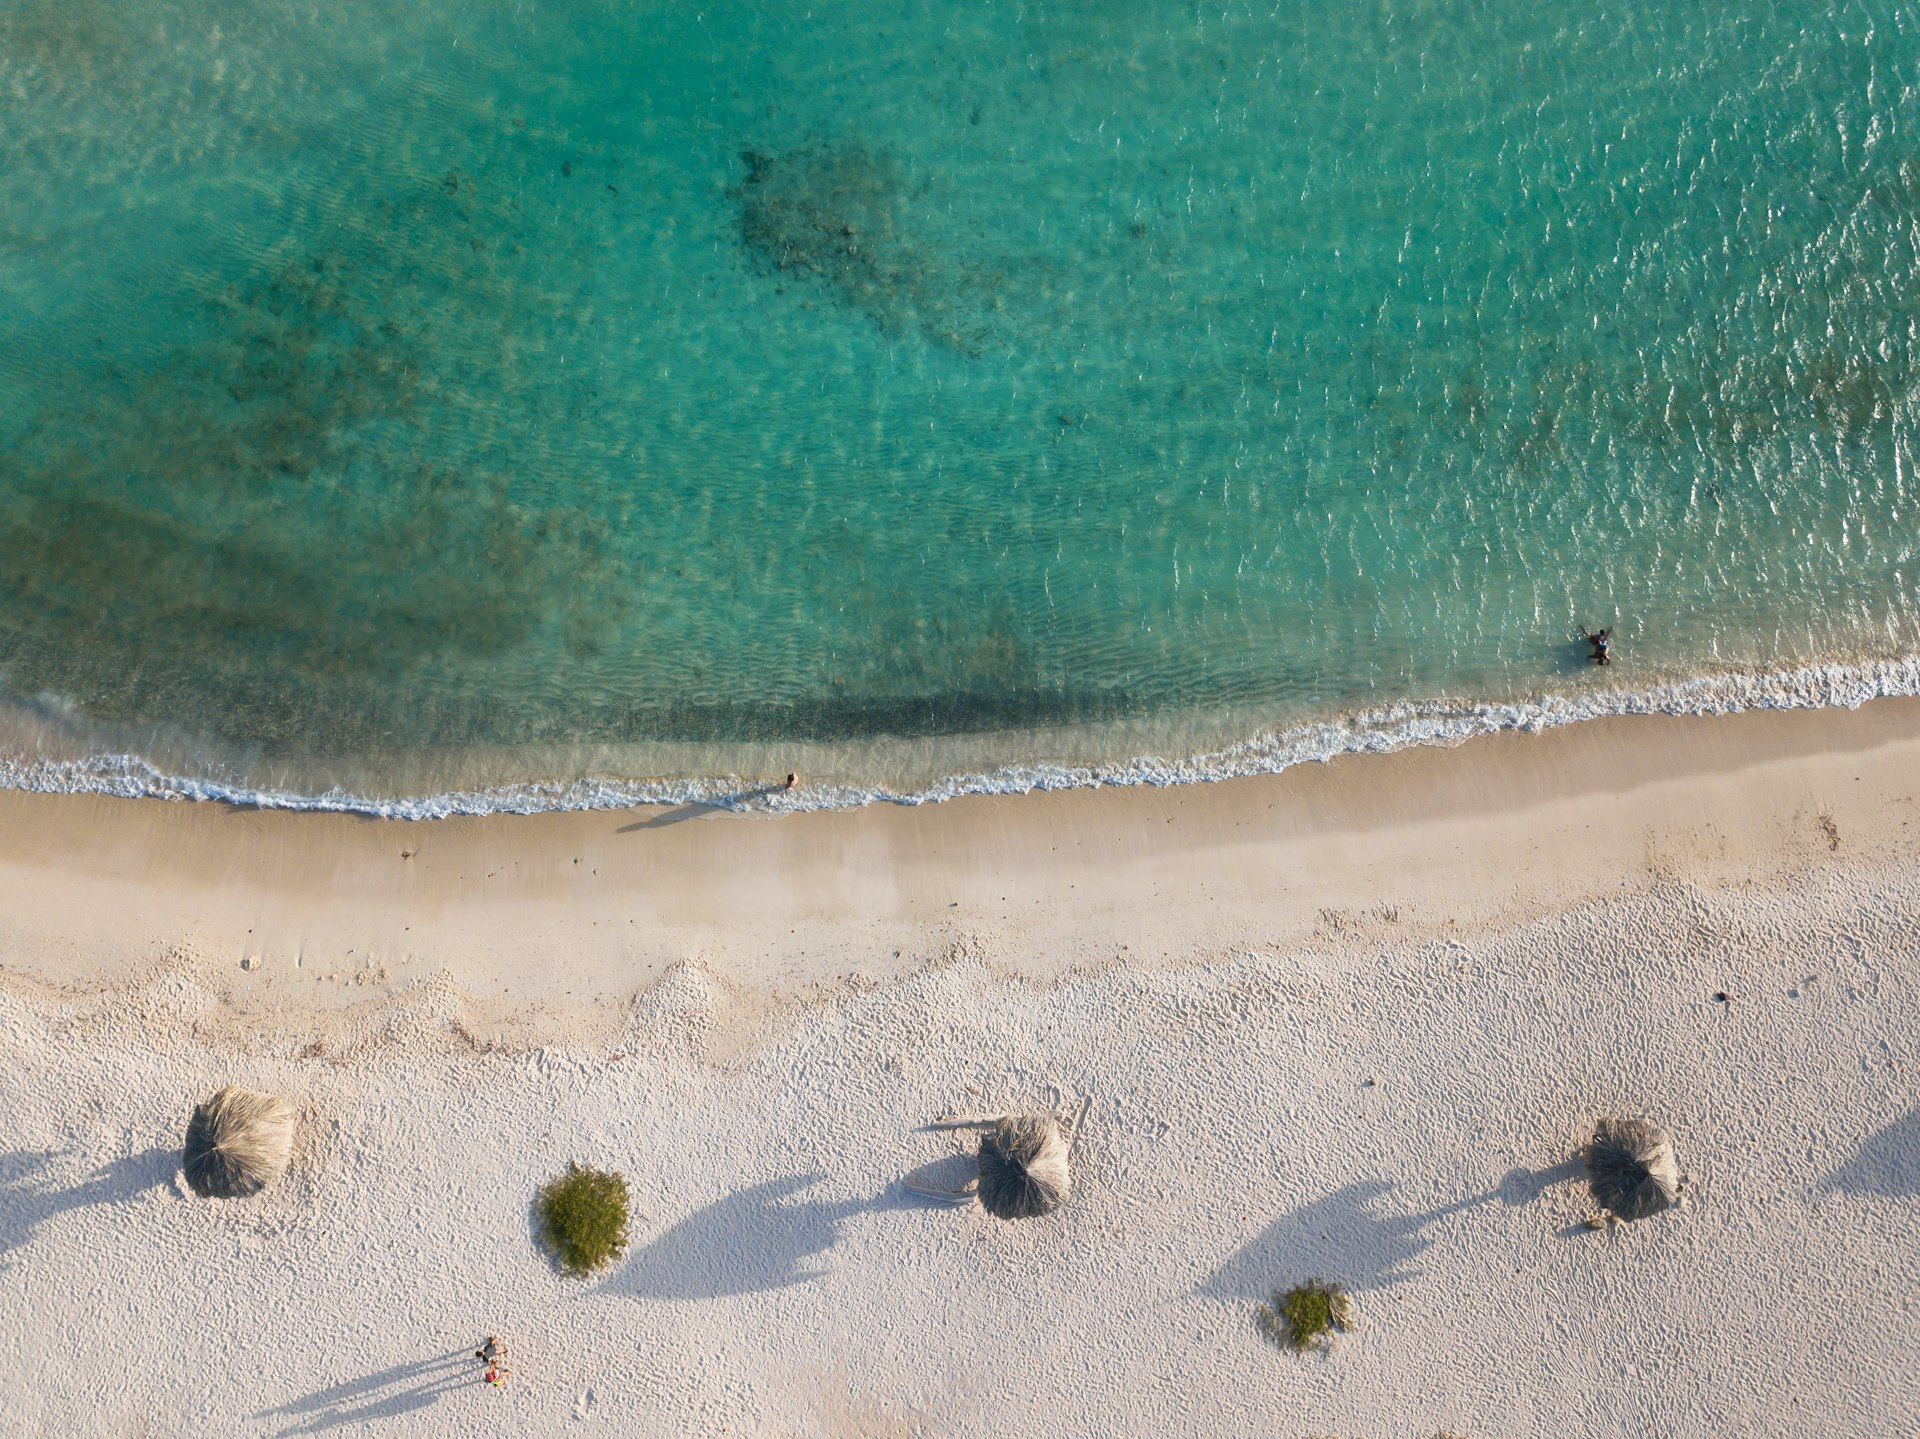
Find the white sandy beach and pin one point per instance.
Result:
(1349, 1022)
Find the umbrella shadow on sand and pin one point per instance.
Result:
(1347, 1237)
(1523, 1186)
(1887, 1162)
(384, 1395)
(27, 1201)
(760, 1239)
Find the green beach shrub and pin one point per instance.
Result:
(583, 1215)
(1306, 1316)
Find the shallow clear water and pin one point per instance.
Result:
(644, 389)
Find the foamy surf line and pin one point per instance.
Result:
(1376, 731)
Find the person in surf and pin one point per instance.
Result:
(1601, 640)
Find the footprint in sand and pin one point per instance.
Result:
(583, 1406)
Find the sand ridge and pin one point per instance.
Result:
(548, 925)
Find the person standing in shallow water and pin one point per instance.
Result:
(1601, 640)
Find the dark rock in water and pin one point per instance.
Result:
(847, 217)
(804, 211)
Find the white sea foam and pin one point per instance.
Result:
(1374, 731)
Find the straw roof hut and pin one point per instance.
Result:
(238, 1143)
(1023, 1167)
(1631, 1168)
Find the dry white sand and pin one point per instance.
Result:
(1540, 946)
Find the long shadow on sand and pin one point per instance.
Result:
(1346, 1237)
(759, 1239)
(385, 1395)
(27, 1201)
(679, 814)
(1887, 1163)
(734, 803)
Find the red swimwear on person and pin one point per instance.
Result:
(493, 1354)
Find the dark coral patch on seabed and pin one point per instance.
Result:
(858, 222)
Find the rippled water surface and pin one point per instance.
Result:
(520, 379)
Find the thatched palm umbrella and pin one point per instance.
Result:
(238, 1143)
(1024, 1169)
(1631, 1169)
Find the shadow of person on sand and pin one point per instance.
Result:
(27, 1201)
(384, 1395)
(679, 814)
(1345, 1238)
(1887, 1162)
(757, 1240)
(706, 808)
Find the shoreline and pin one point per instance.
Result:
(50, 752)
(554, 922)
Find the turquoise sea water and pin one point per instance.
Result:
(398, 396)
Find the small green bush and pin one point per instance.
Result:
(1306, 1316)
(583, 1215)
